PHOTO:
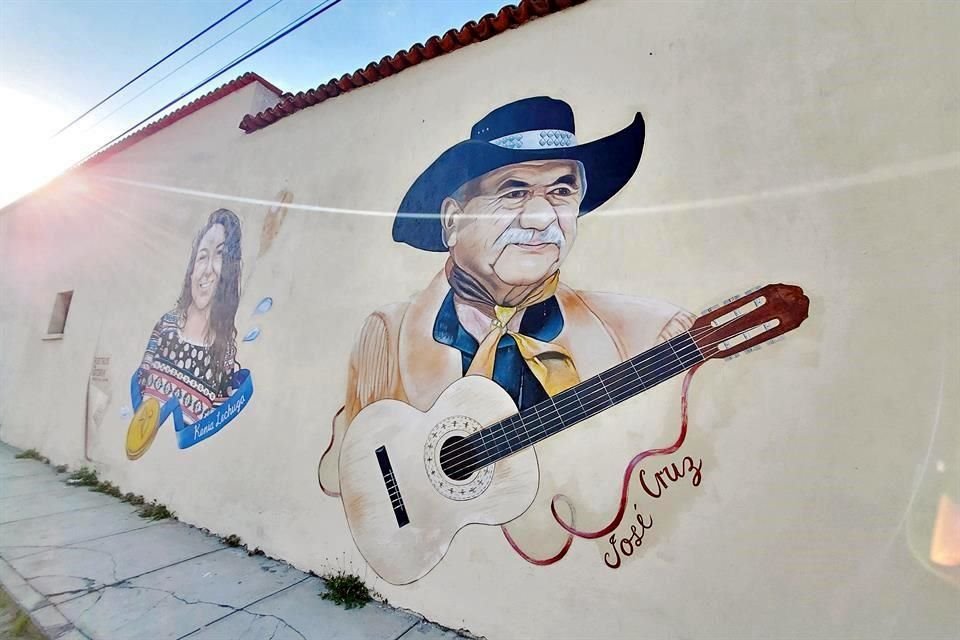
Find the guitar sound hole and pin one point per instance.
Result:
(456, 459)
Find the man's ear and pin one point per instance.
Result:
(449, 210)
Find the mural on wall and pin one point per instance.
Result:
(190, 369)
(447, 394)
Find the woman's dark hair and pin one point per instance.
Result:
(226, 299)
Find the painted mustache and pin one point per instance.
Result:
(517, 235)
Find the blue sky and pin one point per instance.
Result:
(59, 57)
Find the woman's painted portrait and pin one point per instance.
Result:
(190, 365)
(191, 354)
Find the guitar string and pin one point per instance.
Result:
(626, 367)
(542, 427)
(458, 451)
(545, 428)
(623, 392)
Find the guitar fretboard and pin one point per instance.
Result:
(576, 404)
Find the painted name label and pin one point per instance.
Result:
(654, 487)
(623, 546)
(229, 410)
(190, 434)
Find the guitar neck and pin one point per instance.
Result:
(580, 402)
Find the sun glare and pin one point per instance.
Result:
(28, 156)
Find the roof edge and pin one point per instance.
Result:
(182, 112)
(490, 25)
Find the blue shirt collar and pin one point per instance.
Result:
(542, 321)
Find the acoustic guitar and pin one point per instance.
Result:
(410, 480)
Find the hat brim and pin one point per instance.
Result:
(609, 164)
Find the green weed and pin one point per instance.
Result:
(232, 540)
(108, 488)
(346, 589)
(32, 454)
(84, 477)
(155, 511)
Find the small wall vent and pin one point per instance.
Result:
(58, 317)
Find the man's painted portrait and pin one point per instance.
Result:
(505, 206)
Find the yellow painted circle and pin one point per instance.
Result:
(143, 428)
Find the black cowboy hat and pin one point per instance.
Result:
(538, 128)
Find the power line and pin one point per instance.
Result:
(104, 118)
(328, 5)
(151, 68)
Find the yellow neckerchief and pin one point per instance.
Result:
(550, 363)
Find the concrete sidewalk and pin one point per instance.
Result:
(85, 565)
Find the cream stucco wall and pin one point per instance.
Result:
(817, 144)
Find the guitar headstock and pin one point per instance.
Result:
(753, 319)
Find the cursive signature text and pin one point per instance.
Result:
(671, 473)
(623, 546)
(627, 545)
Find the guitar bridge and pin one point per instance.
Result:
(396, 500)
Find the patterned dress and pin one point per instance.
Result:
(176, 368)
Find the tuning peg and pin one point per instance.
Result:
(709, 309)
(752, 289)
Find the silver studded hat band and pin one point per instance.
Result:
(537, 139)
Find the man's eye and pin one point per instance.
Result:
(515, 195)
(562, 191)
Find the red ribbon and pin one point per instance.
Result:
(624, 489)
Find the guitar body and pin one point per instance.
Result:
(402, 507)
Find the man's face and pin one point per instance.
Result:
(517, 223)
